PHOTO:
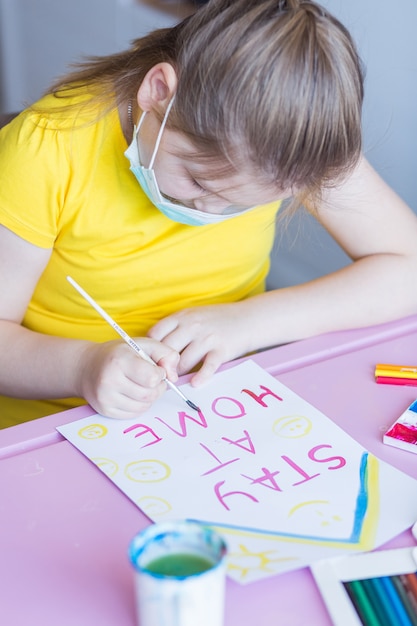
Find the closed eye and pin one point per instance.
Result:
(198, 186)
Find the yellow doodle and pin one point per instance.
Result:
(109, 467)
(246, 561)
(154, 507)
(93, 431)
(292, 426)
(319, 510)
(147, 471)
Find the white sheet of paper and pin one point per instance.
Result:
(282, 483)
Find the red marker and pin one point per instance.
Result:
(389, 380)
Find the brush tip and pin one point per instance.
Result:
(193, 406)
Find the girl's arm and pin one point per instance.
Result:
(109, 375)
(374, 227)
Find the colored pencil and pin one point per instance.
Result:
(383, 611)
(405, 599)
(396, 371)
(362, 604)
(389, 380)
(127, 339)
(409, 582)
(393, 602)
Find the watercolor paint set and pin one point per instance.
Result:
(372, 589)
(403, 433)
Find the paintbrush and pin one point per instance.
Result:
(127, 339)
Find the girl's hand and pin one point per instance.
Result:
(210, 335)
(118, 383)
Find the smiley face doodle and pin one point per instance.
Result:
(109, 467)
(325, 519)
(147, 471)
(153, 506)
(93, 431)
(292, 426)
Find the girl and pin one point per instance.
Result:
(153, 178)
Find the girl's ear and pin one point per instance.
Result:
(158, 87)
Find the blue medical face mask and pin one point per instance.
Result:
(147, 180)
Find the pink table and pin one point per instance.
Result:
(65, 527)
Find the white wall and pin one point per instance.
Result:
(40, 38)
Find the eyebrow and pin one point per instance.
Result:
(214, 171)
(213, 164)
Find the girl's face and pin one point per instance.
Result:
(181, 178)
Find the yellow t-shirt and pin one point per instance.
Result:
(65, 184)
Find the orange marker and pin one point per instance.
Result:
(395, 371)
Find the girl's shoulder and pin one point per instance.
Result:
(73, 107)
(65, 119)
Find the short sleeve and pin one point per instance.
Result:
(34, 176)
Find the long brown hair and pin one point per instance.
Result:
(276, 82)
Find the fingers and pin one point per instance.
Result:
(206, 336)
(118, 383)
(163, 355)
(116, 404)
(126, 386)
(163, 328)
(210, 365)
(186, 335)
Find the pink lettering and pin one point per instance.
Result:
(221, 497)
(144, 430)
(249, 448)
(299, 470)
(259, 398)
(340, 459)
(214, 469)
(267, 477)
(234, 403)
(181, 418)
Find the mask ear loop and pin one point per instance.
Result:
(161, 130)
(137, 128)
